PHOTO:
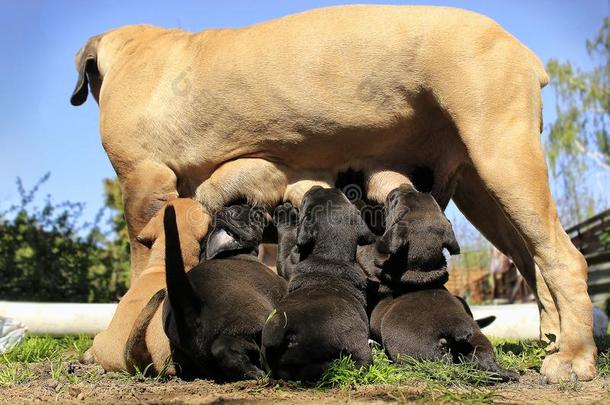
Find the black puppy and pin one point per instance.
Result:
(323, 315)
(417, 317)
(417, 229)
(214, 314)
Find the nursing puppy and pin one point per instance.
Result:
(214, 314)
(109, 346)
(323, 315)
(419, 318)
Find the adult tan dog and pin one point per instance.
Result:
(373, 88)
(110, 346)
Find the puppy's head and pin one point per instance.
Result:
(237, 229)
(419, 215)
(327, 218)
(192, 220)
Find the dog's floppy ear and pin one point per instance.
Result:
(465, 305)
(450, 243)
(389, 243)
(307, 232)
(483, 322)
(220, 241)
(365, 236)
(86, 64)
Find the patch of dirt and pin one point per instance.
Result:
(89, 385)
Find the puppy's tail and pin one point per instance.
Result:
(183, 299)
(273, 340)
(137, 355)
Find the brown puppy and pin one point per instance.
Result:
(109, 346)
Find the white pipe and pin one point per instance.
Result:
(516, 321)
(42, 318)
(522, 321)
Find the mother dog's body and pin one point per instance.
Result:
(369, 87)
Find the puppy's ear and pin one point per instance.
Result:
(307, 232)
(149, 234)
(483, 322)
(389, 243)
(365, 236)
(450, 243)
(199, 220)
(465, 305)
(220, 241)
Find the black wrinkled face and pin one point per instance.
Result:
(328, 219)
(236, 229)
(417, 231)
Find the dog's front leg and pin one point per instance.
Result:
(258, 181)
(415, 223)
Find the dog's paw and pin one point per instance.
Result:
(508, 375)
(562, 366)
(255, 373)
(285, 215)
(416, 225)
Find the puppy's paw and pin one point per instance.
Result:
(255, 373)
(508, 375)
(416, 225)
(88, 357)
(285, 215)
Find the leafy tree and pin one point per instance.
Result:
(578, 144)
(48, 254)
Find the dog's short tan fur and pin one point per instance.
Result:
(369, 87)
(108, 348)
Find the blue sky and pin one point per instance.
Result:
(40, 131)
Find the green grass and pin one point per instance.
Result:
(343, 373)
(15, 373)
(42, 348)
(429, 380)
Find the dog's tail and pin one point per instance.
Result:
(137, 355)
(183, 299)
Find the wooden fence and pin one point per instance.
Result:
(587, 237)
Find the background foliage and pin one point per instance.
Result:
(48, 254)
(578, 145)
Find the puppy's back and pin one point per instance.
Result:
(422, 324)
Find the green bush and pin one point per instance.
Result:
(48, 254)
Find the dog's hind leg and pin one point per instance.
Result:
(503, 141)
(492, 222)
(234, 356)
(484, 358)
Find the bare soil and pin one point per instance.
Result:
(88, 384)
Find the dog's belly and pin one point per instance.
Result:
(322, 90)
